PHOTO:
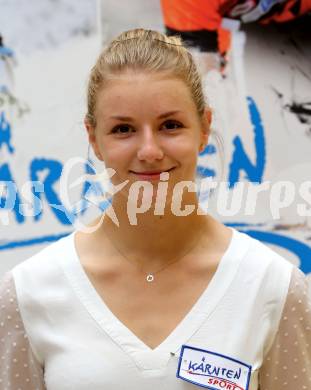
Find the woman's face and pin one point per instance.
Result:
(147, 123)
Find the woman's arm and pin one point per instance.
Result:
(288, 363)
(19, 368)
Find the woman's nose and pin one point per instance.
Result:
(149, 148)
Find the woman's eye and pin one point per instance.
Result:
(127, 129)
(172, 125)
(121, 129)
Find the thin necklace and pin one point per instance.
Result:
(150, 275)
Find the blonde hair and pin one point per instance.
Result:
(144, 50)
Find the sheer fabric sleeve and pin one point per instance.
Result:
(19, 368)
(288, 362)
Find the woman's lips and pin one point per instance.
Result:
(149, 175)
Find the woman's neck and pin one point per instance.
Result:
(158, 237)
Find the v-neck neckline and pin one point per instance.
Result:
(144, 356)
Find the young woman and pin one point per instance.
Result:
(172, 298)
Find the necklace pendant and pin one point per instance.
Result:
(150, 278)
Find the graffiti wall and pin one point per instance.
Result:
(262, 109)
(46, 52)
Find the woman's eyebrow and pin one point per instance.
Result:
(128, 118)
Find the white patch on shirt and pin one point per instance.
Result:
(212, 370)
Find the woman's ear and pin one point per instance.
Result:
(209, 115)
(206, 128)
(92, 138)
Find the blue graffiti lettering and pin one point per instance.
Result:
(54, 173)
(34, 206)
(5, 133)
(301, 250)
(240, 160)
(89, 188)
(12, 200)
(204, 171)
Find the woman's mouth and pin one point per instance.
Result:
(150, 175)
